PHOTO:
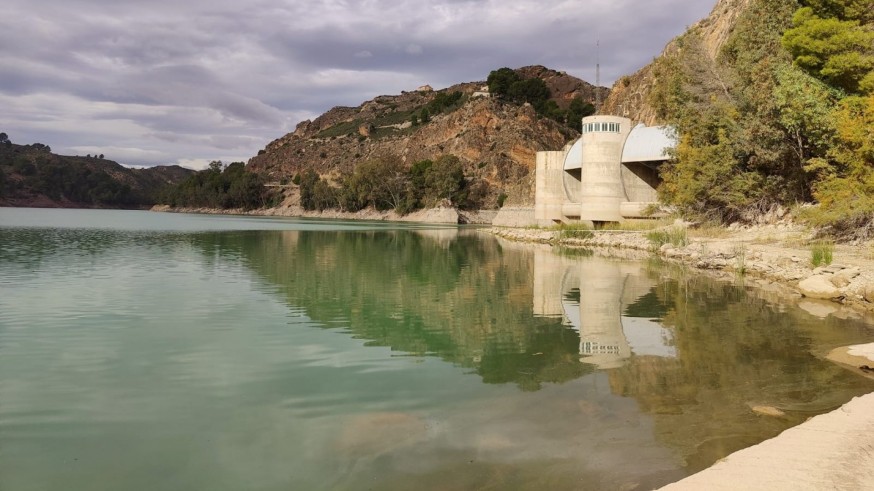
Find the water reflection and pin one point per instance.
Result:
(383, 357)
(425, 293)
(611, 305)
(695, 353)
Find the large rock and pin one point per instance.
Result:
(818, 286)
(868, 292)
(839, 280)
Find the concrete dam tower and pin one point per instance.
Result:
(601, 191)
(607, 175)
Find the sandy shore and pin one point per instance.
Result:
(830, 451)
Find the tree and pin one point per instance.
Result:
(4, 138)
(841, 52)
(533, 91)
(860, 10)
(308, 181)
(804, 106)
(425, 115)
(445, 180)
(500, 81)
(382, 183)
(216, 166)
(576, 111)
(443, 101)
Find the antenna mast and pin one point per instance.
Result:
(598, 76)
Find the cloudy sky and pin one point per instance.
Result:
(189, 81)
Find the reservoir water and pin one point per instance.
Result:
(148, 351)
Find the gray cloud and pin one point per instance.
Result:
(165, 81)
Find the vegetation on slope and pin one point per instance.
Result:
(508, 85)
(387, 184)
(30, 175)
(220, 186)
(495, 138)
(784, 115)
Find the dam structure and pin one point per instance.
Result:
(609, 174)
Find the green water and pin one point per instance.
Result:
(176, 352)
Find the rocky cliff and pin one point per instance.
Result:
(496, 140)
(630, 95)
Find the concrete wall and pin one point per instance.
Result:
(549, 194)
(601, 177)
(510, 216)
(640, 181)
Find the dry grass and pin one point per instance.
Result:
(675, 236)
(709, 231)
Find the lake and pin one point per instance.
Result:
(153, 351)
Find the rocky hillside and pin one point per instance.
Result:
(30, 175)
(630, 95)
(496, 141)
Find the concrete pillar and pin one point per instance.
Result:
(602, 192)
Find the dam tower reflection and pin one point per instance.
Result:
(609, 303)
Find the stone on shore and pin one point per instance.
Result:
(768, 411)
(818, 286)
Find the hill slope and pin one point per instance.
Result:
(30, 175)
(773, 103)
(631, 95)
(495, 140)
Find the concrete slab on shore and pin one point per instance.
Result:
(830, 451)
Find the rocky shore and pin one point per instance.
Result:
(829, 451)
(773, 256)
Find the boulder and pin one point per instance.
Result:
(818, 286)
(839, 280)
(868, 292)
(768, 411)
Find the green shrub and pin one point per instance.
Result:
(501, 199)
(675, 236)
(821, 253)
(740, 259)
(574, 231)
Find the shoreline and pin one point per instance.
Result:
(439, 215)
(834, 450)
(768, 257)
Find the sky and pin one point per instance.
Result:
(150, 82)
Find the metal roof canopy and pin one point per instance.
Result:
(574, 158)
(648, 144)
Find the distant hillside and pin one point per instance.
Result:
(496, 139)
(30, 175)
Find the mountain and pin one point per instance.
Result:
(773, 106)
(495, 139)
(30, 175)
(630, 96)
